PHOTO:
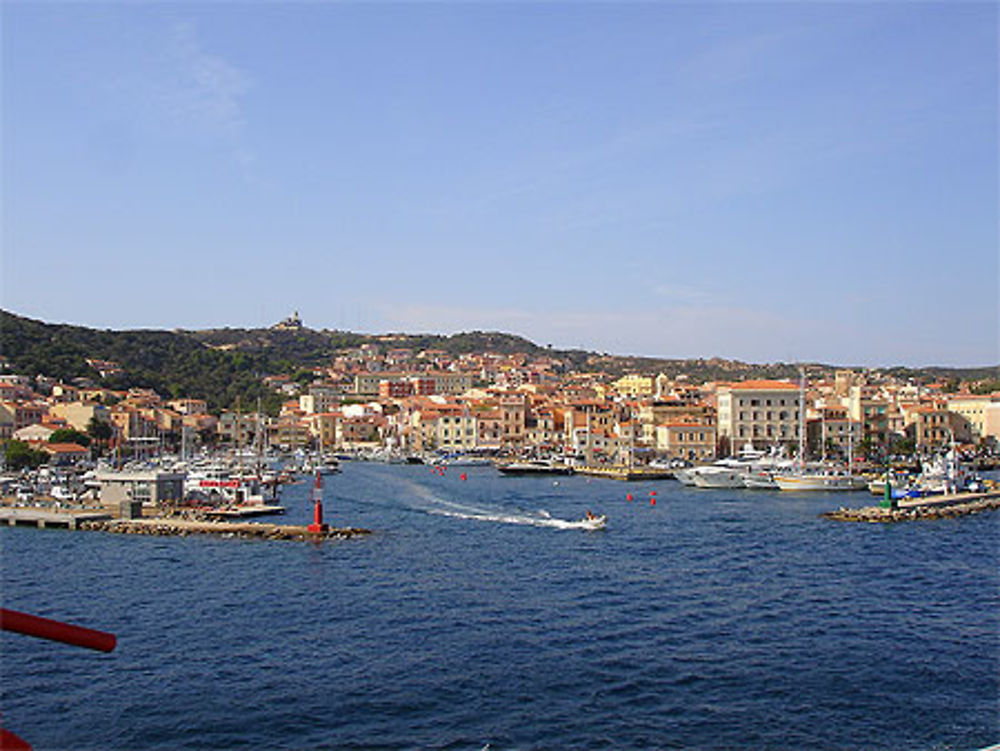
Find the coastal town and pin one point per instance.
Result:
(391, 403)
(382, 398)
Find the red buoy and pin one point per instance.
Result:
(464, 477)
(628, 496)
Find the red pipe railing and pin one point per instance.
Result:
(45, 628)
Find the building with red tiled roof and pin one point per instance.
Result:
(65, 453)
(763, 413)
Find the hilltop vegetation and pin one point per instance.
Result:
(219, 365)
(175, 365)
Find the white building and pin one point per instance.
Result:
(763, 413)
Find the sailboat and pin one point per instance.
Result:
(825, 477)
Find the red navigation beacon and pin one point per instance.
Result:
(318, 526)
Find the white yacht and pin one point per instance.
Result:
(720, 477)
(829, 480)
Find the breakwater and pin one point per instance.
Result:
(170, 526)
(242, 530)
(920, 509)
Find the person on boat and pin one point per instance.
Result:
(591, 515)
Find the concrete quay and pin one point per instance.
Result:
(916, 509)
(43, 518)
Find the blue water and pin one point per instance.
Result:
(712, 620)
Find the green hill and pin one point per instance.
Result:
(219, 365)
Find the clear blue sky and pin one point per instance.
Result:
(763, 181)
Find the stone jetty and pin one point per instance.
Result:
(916, 509)
(174, 525)
(245, 530)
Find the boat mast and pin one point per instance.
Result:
(850, 446)
(802, 417)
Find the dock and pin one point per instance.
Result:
(43, 518)
(625, 473)
(916, 509)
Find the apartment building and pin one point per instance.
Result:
(448, 384)
(974, 414)
(635, 386)
(686, 440)
(763, 413)
(930, 427)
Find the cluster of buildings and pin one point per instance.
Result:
(383, 396)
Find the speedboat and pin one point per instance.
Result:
(594, 521)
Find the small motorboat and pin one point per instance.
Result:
(594, 521)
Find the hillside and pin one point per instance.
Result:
(174, 364)
(220, 365)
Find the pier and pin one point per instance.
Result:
(915, 509)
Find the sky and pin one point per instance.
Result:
(787, 181)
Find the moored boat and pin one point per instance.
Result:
(534, 467)
(819, 481)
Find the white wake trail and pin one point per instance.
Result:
(438, 506)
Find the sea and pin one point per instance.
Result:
(479, 615)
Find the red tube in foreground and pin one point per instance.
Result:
(44, 628)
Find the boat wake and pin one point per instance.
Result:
(432, 503)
